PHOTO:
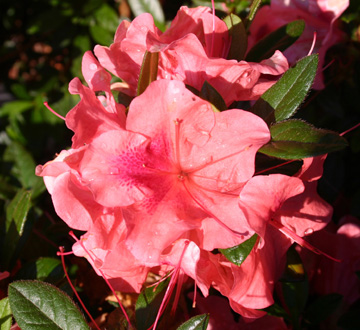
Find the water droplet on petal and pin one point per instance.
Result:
(114, 170)
(93, 66)
(308, 231)
(246, 74)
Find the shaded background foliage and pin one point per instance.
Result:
(41, 47)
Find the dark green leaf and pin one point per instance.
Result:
(322, 308)
(198, 322)
(17, 210)
(148, 72)
(279, 39)
(148, 304)
(44, 269)
(237, 33)
(239, 253)
(281, 101)
(295, 139)
(41, 306)
(209, 93)
(153, 7)
(5, 314)
(295, 286)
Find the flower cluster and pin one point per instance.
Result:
(167, 183)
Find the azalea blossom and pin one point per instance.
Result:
(192, 50)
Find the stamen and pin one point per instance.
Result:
(157, 170)
(236, 233)
(276, 166)
(53, 111)
(218, 160)
(61, 254)
(170, 288)
(350, 129)
(177, 140)
(313, 44)
(213, 27)
(289, 233)
(194, 299)
(103, 276)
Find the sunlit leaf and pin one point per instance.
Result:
(41, 306)
(239, 253)
(148, 304)
(5, 314)
(238, 36)
(296, 139)
(281, 101)
(153, 7)
(198, 322)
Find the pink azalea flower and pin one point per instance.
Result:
(176, 164)
(288, 203)
(103, 246)
(190, 51)
(319, 17)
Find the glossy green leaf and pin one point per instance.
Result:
(281, 101)
(280, 39)
(153, 7)
(239, 253)
(238, 36)
(107, 18)
(148, 72)
(209, 93)
(5, 314)
(148, 304)
(41, 306)
(198, 322)
(296, 139)
(101, 35)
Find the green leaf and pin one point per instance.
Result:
(237, 33)
(296, 139)
(44, 269)
(253, 9)
(322, 308)
(148, 72)
(295, 286)
(5, 314)
(239, 253)
(41, 306)
(281, 101)
(23, 167)
(16, 216)
(148, 304)
(153, 7)
(107, 18)
(101, 35)
(280, 39)
(15, 108)
(17, 210)
(198, 322)
(209, 93)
